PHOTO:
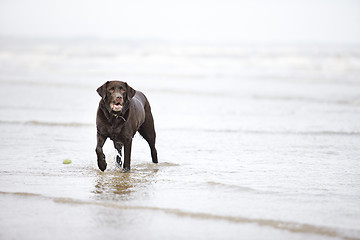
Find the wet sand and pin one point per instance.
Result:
(253, 142)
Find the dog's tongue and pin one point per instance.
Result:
(115, 107)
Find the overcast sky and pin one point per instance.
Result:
(229, 21)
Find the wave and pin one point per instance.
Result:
(277, 224)
(160, 164)
(48, 124)
(235, 95)
(352, 133)
(308, 99)
(244, 131)
(230, 186)
(178, 91)
(266, 132)
(53, 84)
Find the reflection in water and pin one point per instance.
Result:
(116, 185)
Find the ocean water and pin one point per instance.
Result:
(254, 142)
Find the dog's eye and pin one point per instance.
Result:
(112, 90)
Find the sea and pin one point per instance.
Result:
(254, 141)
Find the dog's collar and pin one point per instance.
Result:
(119, 116)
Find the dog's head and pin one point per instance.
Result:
(116, 95)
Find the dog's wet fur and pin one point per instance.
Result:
(122, 112)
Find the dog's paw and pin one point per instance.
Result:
(118, 161)
(126, 169)
(102, 165)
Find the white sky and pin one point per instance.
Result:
(229, 21)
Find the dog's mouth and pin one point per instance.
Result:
(116, 107)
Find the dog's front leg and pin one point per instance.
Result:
(99, 152)
(118, 146)
(127, 153)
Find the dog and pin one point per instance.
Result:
(122, 112)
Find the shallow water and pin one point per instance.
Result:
(253, 142)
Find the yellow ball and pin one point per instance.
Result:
(67, 161)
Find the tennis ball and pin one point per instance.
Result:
(67, 161)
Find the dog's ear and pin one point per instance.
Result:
(130, 92)
(102, 90)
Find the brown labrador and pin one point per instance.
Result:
(122, 112)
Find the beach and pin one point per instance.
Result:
(254, 142)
